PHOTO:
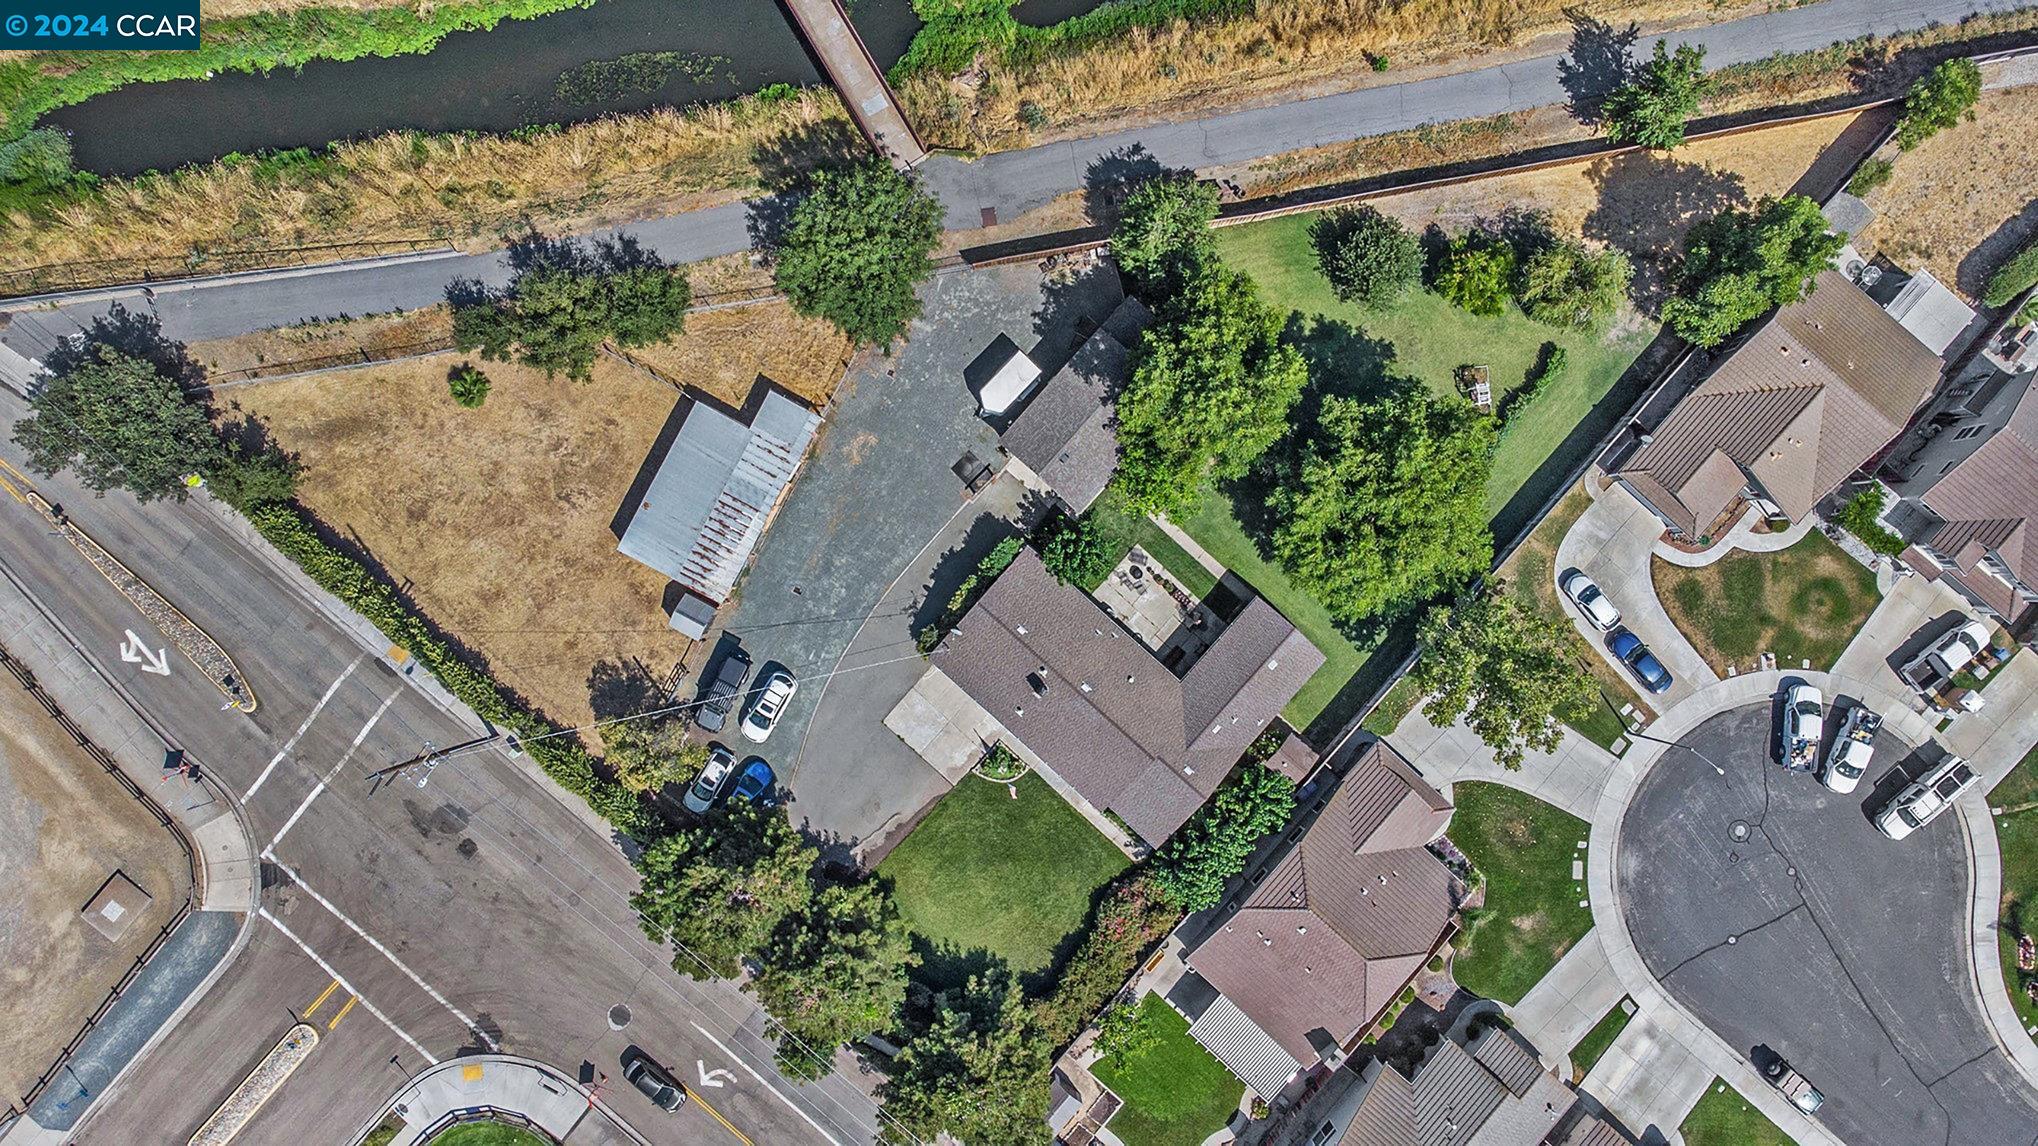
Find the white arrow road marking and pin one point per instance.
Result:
(713, 1077)
(136, 651)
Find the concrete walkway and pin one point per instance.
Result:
(1569, 778)
(1008, 183)
(1567, 1002)
(1614, 542)
(1905, 608)
(1741, 537)
(557, 1104)
(1651, 1076)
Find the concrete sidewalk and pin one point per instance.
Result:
(477, 1084)
(1570, 778)
(1567, 1002)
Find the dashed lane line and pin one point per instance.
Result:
(328, 969)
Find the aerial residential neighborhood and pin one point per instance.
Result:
(1141, 572)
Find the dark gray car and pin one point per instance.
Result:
(721, 695)
(654, 1083)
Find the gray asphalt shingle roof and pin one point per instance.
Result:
(1068, 432)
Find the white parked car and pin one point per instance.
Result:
(1925, 797)
(769, 706)
(701, 794)
(1847, 760)
(1590, 601)
(1804, 723)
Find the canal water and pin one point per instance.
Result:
(617, 56)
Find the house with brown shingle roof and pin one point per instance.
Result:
(1065, 441)
(1333, 931)
(1072, 690)
(1789, 414)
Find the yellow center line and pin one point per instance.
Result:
(717, 1116)
(322, 997)
(351, 1000)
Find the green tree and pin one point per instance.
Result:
(1163, 235)
(1077, 553)
(1120, 1034)
(1652, 107)
(856, 248)
(721, 889)
(978, 1073)
(1211, 390)
(468, 384)
(1192, 867)
(1477, 273)
(648, 756)
(1507, 669)
(246, 478)
(834, 973)
(1369, 259)
(1941, 98)
(556, 314)
(38, 158)
(1859, 517)
(118, 423)
(1568, 284)
(1385, 506)
(1741, 262)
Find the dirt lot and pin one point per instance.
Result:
(1964, 200)
(65, 826)
(495, 520)
(320, 344)
(723, 352)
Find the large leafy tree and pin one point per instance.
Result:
(118, 422)
(556, 313)
(1941, 98)
(1368, 258)
(1163, 235)
(1651, 108)
(1477, 273)
(721, 889)
(1210, 392)
(1192, 867)
(978, 1073)
(1385, 504)
(1568, 284)
(1507, 669)
(834, 973)
(1076, 552)
(856, 248)
(1742, 262)
(649, 755)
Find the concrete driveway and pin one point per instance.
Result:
(878, 498)
(1815, 938)
(1613, 542)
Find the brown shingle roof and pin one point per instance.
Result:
(1987, 502)
(1068, 432)
(1114, 722)
(1809, 397)
(1345, 917)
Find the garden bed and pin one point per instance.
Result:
(1176, 1093)
(1801, 603)
(1523, 848)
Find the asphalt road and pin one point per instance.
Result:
(1009, 182)
(1818, 939)
(482, 911)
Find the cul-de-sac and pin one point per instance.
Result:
(1019, 572)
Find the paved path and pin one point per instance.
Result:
(1613, 541)
(1570, 777)
(1567, 1002)
(1742, 537)
(1650, 1076)
(1008, 183)
(871, 103)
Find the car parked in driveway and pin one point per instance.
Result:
(755, 784)
(721, 696)
(1585, 594)
(1804, 725)
(1847, 760)
(1924, 798)
(1630, 651)
(778, 688)
(653, 1081)
(701, 794)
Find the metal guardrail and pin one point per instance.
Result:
(483, 1113)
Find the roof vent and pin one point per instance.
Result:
(1037, 683)
(1100, 632)
(1128, 678)
(1018, 710)
(1804, 362)
(1301, 929)
(1085, 686)
(1020, 629)
(1272, 665)
(1188, 771)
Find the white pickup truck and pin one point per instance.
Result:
(1931, 672)
(1847, 760)
(1924, 798)
(1804, 709)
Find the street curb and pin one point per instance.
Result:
(1985, 890)
(411, 1085)
(58, 299)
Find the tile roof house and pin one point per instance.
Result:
(1802, 403)
(1071, 686)
(1341, 922)
(1973, 527)
(1492, 1093)
(1067, 436)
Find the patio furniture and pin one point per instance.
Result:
(1475, 383)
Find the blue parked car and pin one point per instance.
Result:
(1630, 650)
(755, 783)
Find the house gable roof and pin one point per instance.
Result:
(1988, 500)
(1068, 432)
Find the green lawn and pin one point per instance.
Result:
(1524, 848)
(1804, 603)
(1175, 1093)
(2017, 834)
(1427, 339)
(1127, 529)
(489, 1134)
(985, 875)
(1393, 708)
(1600, 1037)
(1724, 1118)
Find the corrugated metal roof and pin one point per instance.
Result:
(708, 502)
(1510, 1061)
(1386, 1115)
(1454, 1096)
(1249, 1052)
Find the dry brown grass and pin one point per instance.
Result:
(1284, 50)
(1966, 199)
(723, 352)
(314, 344)
(495, 520)
(454, 187)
